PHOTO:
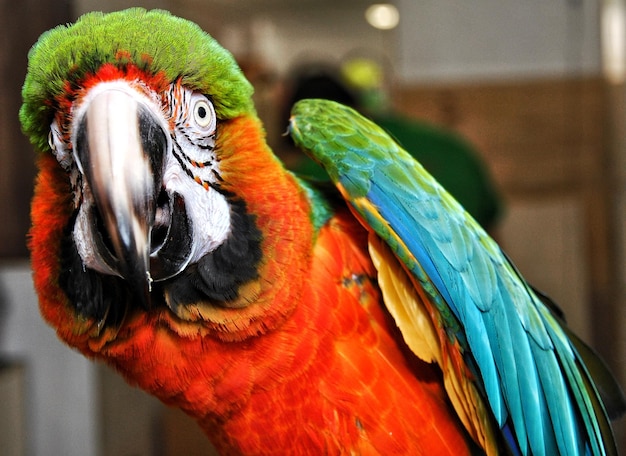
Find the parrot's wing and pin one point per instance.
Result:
(496, 338)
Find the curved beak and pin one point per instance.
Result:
(119, 147)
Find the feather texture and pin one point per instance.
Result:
(521, 360)
(415, 319)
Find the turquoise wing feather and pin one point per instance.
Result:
(530, 373)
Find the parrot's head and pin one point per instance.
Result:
(155, 181)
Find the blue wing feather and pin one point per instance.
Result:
(530, 373)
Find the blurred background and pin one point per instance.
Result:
(531, 94)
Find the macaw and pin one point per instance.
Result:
(286, 316)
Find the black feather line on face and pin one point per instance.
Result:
(219, 274)
(215, 279)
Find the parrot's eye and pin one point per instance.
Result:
(203, 113)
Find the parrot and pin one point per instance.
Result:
(369, 314)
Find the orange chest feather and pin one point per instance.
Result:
(337, 379)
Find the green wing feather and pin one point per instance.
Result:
(523, 362)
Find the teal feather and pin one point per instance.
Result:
(531, 374)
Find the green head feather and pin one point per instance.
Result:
(154, 40)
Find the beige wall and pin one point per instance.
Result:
(618, 160)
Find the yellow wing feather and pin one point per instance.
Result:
(416, 324)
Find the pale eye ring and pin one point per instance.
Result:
(204, 114)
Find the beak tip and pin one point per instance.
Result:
(140, 282)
